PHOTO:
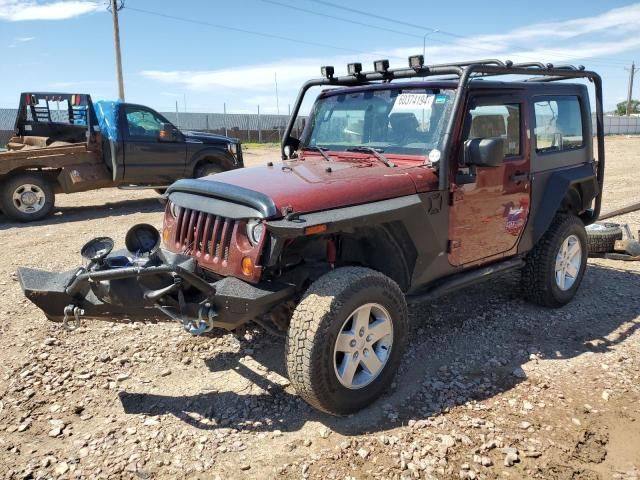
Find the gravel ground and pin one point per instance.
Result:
(491, 387)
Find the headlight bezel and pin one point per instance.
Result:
(174, 210)
(232, 148)
(255, 230)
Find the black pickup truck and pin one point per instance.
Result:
(65, 143)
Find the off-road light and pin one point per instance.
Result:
(354, 68)
(416, 61)
(327, 71)
(381, 66)
(143, 240)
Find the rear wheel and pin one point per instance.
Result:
(556, 265)
(346, 339)
(27, 197)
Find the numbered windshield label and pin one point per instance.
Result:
(413, 101)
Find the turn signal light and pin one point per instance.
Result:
(315, 229)
(247, 266)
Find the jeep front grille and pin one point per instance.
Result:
(204, 234)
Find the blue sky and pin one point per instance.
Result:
(68, 45)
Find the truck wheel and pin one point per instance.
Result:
(346, 339)
(602, 237)
(556, 265)
(27, 197)
(208, 169)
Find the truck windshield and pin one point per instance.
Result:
(409, 121)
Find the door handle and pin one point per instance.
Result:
(520, 177)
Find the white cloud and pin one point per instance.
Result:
(605, 34)
(24, 10)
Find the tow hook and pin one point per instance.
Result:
(72, 311)
(206, 314)
(203, 324)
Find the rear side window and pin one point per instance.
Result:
(558, 124)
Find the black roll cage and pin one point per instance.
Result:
(465, 72)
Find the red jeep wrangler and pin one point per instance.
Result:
(395, 189)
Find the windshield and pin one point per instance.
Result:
(409, 121)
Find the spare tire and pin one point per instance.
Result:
(602, 236)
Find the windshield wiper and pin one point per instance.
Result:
(375, 152)
(320, 150)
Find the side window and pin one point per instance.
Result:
(558, 124)
(142, 123)
(502, 120)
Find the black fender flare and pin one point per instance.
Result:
(580, 179)
(218, 155)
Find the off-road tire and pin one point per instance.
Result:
(538, 276)
(208, 168)
(603, 239)
(13, 183)
(314, 327)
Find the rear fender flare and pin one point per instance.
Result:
(572, 189)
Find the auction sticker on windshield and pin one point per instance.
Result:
(413, 101)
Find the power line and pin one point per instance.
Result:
(619, 62)
(342, 19)
(241, 30)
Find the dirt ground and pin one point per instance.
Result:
(491, 387)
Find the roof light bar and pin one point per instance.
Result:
(327, 71)
(354, 68)
(381, 66)
(416, 62)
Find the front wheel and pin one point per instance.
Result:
(207, 169)
(27, 197)
(346, 339)
(556, 265)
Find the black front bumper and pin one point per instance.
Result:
(133, 292)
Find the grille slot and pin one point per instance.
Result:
(204, 234)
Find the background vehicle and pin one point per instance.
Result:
(395, 190)
(65, 143)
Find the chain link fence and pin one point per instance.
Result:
(268, 128)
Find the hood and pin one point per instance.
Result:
(210, 138)
(304, 186)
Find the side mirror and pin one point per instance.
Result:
(169, 133)
(290, 146)
(484, 152)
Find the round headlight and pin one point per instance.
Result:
(174, 210)
(255, 229)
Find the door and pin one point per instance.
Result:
(490, 205)
(147, 158)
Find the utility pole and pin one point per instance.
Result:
(114, 7)
(275, 76)
(632, 72)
